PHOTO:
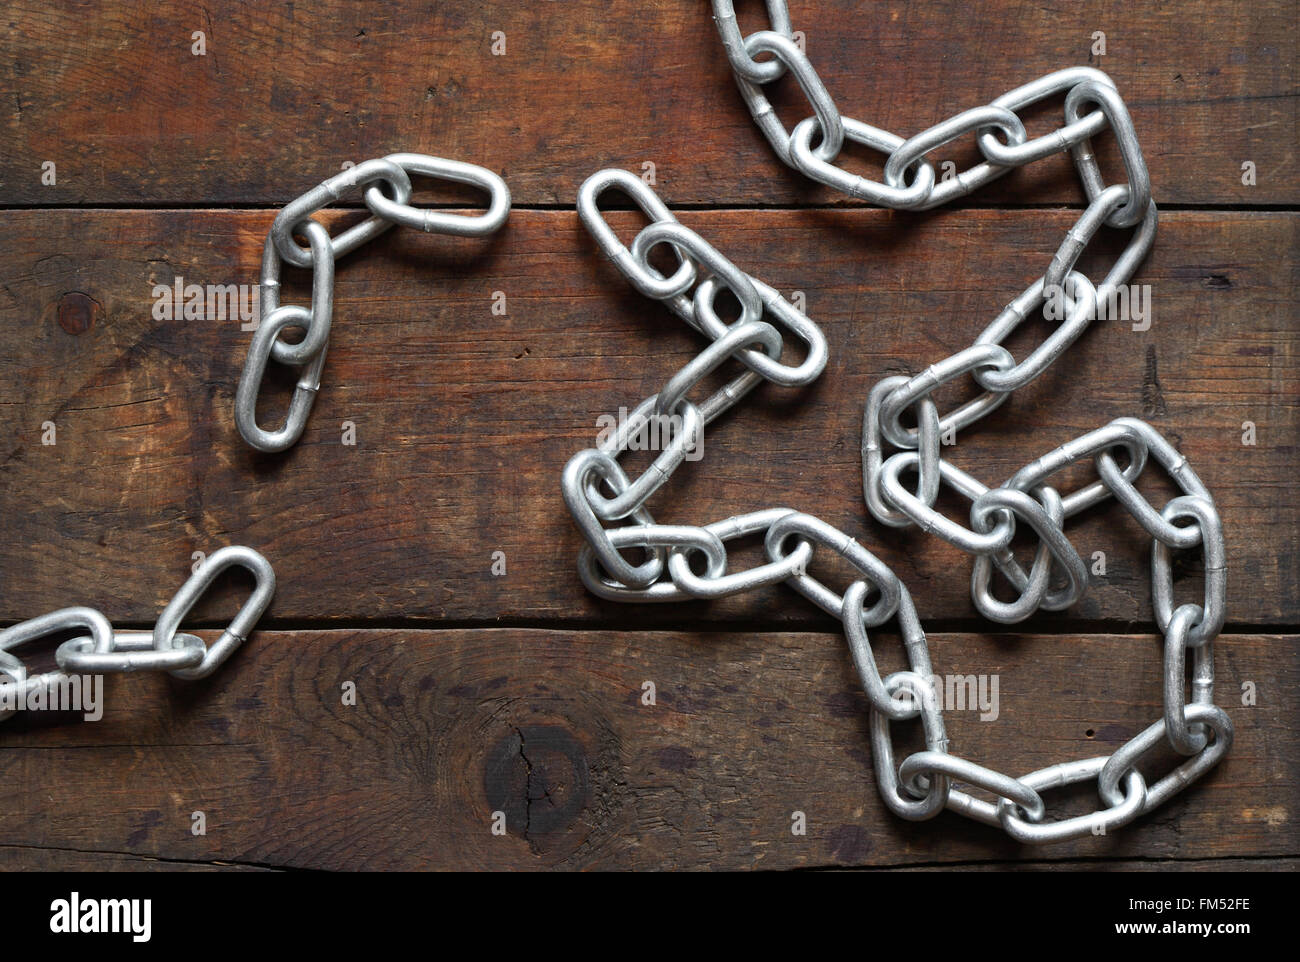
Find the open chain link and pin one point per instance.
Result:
(372, 177)
(681, 562)
(105, 651)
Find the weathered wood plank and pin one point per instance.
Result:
(18, 858)
(288, 92)
(464, 419)
(549, 728)
(1115, 865)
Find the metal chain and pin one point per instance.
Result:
(105, 651)
(308, 355)
(682, 561)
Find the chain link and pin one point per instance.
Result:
(105, 651)
(371, 177)
(926, 782)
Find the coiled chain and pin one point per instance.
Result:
(105, 651)
(387, 209)
(683, 561)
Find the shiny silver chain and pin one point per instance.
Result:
(105, 651)
(683, 562)
(387, 209)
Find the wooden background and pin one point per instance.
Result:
(520, 693)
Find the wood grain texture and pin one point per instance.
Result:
(521, 693)
(19, 858)
(289, 91)
(549, 728)
(464, 419)
(1117, 865)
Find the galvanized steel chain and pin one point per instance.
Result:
(1193, 727)
(105, 651)
(926, 782)
(385, 184)
(1058, 576)
(683, 562)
